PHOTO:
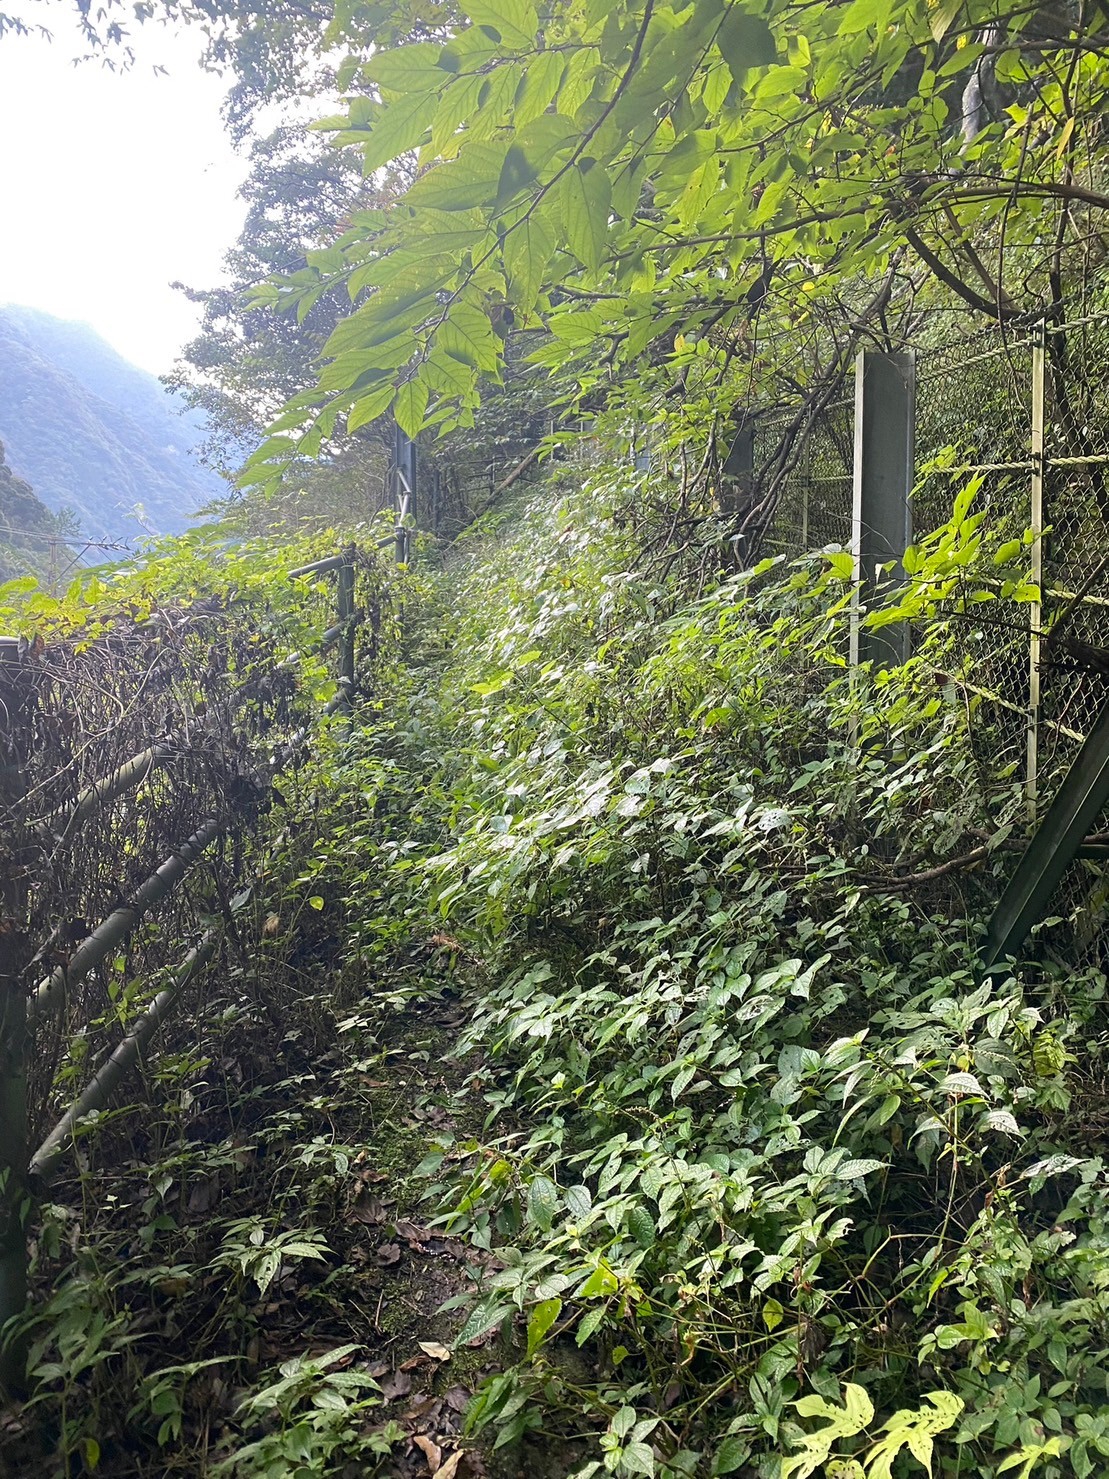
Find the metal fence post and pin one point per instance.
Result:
(346, 628)
(881, 520)
(404, 490)
(15, 688)
(1036, 524)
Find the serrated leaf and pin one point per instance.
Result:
(589, 1323)
(641, 1225)
(578, 1200)
(853, 1170)
(540, 87)
(731, 1455)
(960, 1083)
(585, 197)
(531, 151)
(410, 406)
(940, 19)
(468, 337)
(489, 1312)
(398, 128)
(637, 1458)
(369, 407)
(515, 21)
(463, 183)
(542, 1202)
(745, 41)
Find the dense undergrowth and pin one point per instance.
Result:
(815, 1198)
(756, 1175)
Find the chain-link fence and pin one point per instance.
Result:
(812, 463)
(1025, 413)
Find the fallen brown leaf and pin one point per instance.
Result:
(369, 1208)
(430, 1450)
(433, 1349)
(412, 1232)
(450, 1468)
(397, 1385)
(388, 1253)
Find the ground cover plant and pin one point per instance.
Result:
(813, 1195)
(602, 1080)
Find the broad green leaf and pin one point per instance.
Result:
(732, 1454)
(542, 1318)
(637, 1458)
(460, 184)
(586, 199)
(528, 248)
(530, 151)
(514, 21)
(542, 1202)
(410, 406)
(641, 1225)
(940, 19)
(468, 337)
(488, 1312)
(406, 70)
(745, 41)
(539, 88)
(590, 1323)
(398, 128)
(369, 407)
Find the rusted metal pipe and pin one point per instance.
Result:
(132, 773)
(107, 936)
(100, 1088)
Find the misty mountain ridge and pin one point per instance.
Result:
(94, 433)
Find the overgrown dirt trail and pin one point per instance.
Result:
(293, 1197)
(236, 1274)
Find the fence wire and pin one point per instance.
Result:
(1036, 674)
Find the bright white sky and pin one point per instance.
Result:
(113, 185)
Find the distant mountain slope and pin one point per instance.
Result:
(94, 433)
(29, 533)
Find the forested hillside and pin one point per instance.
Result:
(95, 434)
(27, 527)
(540, 947)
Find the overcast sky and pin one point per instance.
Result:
(112, 186)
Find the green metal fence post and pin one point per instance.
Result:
(346, 625)
(404, 491)
(881, 522)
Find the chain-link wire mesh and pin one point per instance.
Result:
(810, 461)
(976, 423)
(1076, 545)
(972, 426)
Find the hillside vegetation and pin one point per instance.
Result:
(597, 1074)
(623, 958)
(27, 527)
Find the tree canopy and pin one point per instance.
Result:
(720, 196)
